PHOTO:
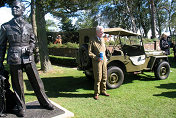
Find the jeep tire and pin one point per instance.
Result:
(115, 77)
(162, 70)
(89, 75)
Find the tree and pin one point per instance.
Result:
(57, 8)
(66, 24)
(33, 18)
(122, 14)
(153, 18)
(116, 19)
(84, 20)
(143, 17)
(161, 15)
(42, 38)
(129, 8)
(4, 2)
(50, 23)
(173, 15)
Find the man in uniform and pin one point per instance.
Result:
(97, 48)
(19, 34)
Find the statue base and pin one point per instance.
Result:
(33, 110)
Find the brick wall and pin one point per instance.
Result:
(152, 46)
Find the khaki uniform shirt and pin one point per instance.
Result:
(95, 47)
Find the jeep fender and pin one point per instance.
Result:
(117, 63)
(155, 60)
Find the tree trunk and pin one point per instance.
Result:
(42, 38)
(134, 28)
(153, 23)
(33, 19)
(34, 26)
(159, 29)
(170, 22)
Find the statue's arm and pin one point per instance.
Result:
(31, 42)
(3, 45)
(32, 38)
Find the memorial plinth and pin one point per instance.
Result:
(33, 110)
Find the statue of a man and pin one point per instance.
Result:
(19, 34)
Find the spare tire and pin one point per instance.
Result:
(84, 57)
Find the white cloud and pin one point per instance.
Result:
(49, 16)
(5, 15)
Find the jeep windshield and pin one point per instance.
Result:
(129, 42)
(123, 37)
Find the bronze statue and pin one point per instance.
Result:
(19, 34)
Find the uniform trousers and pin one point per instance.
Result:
(16, 72)
(100, 76)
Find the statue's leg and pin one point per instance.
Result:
(37, 84)
(16, 72)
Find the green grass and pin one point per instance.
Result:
(140, 96)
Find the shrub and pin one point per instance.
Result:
(51, 45)
(63, 61)
(110, 43)
(132, 41)
(65, 45)
(72, 45)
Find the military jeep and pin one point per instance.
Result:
(126, 56)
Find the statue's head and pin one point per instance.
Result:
(17, 8)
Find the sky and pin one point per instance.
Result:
(6, 15)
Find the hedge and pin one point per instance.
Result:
(63, 61)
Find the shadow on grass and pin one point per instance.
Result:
(57, 86)
(129, 78)
(171, 94)
(167, 86)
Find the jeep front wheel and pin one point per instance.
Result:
(115, 77)
(162, 70)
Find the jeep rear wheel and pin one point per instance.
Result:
(89, 75)
(84, 57)
(162, 70)
(115, 77)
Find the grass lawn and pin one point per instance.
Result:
(140, 96)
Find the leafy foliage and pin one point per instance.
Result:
(50, 23)
(65, 45)
(130, 14)
(5, 2)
